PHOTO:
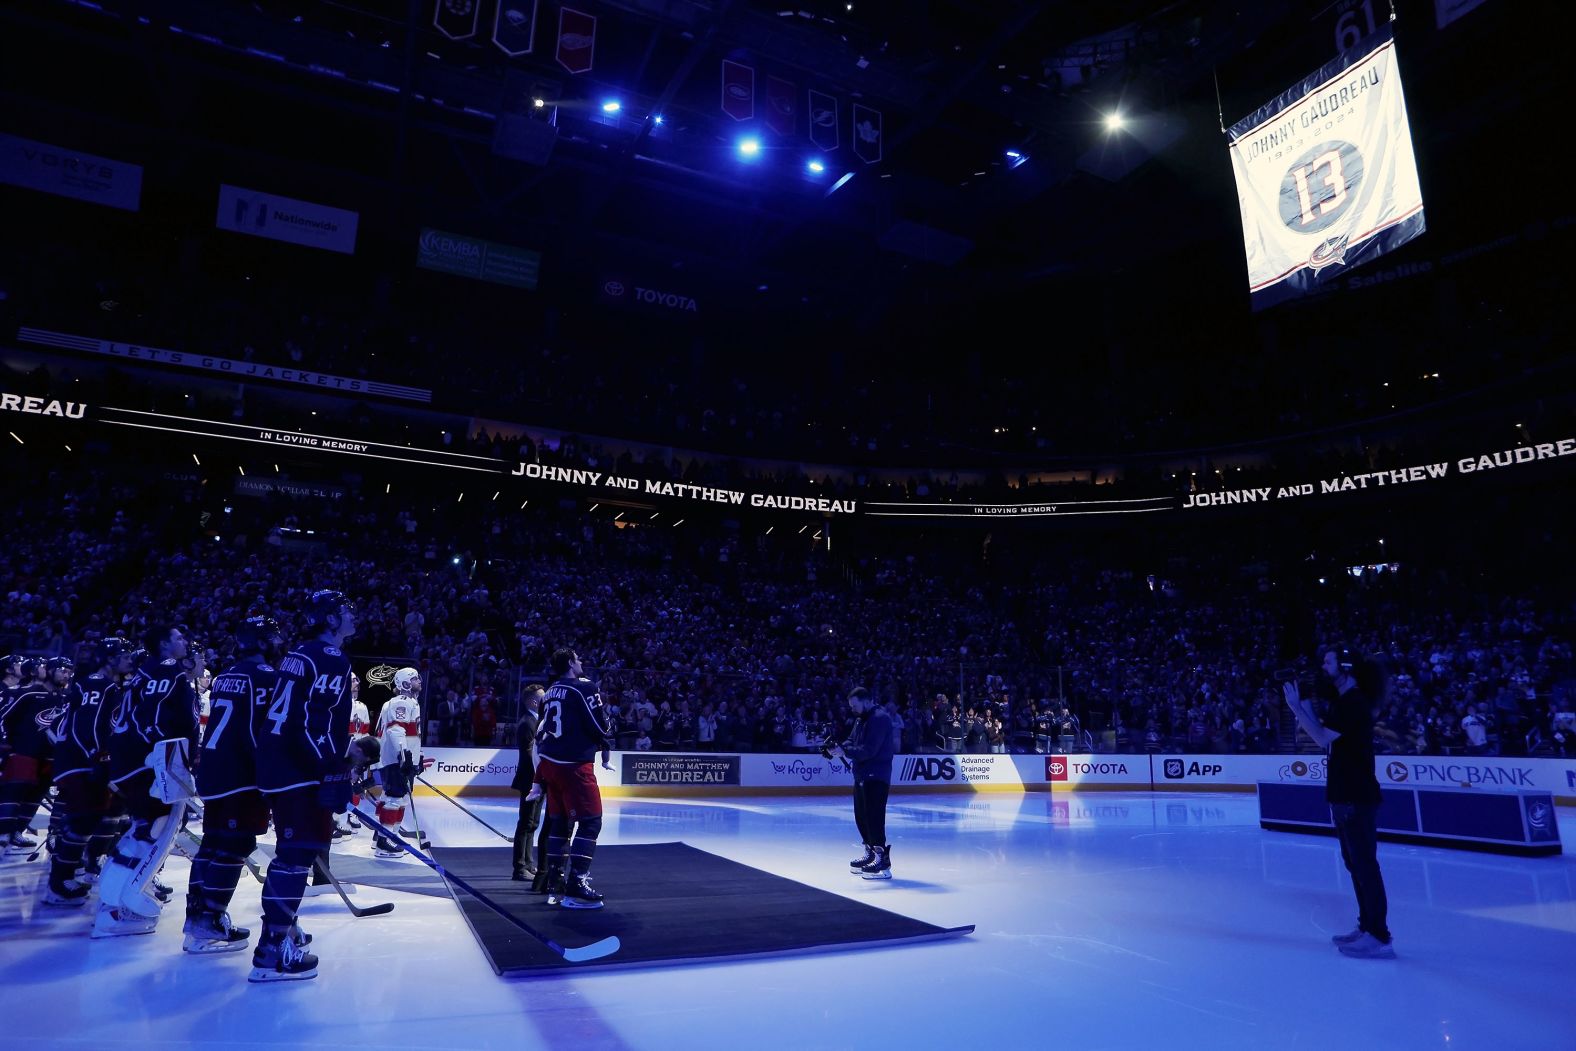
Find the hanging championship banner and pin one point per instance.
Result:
(867, 133)
(514, 26)
(780, 109)
(456, 19)
(823, 121)
(576, 40)
(738, 90)
(1326, 177)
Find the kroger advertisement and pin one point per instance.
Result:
(491, 771)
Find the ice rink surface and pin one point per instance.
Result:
(1105, 920)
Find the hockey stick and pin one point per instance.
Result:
(421, 835)
(595, 951)
(467, 810)
(355, 910)
(45, 805)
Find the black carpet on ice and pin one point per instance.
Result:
(669, 903)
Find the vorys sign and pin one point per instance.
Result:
(69, 173)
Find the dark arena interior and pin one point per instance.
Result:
(1103, 461)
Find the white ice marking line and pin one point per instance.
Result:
(1212, 1014)
(1097, 943)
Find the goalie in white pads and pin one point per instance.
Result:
(399, 732)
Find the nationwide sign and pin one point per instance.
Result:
(281, 218)
(472, 257)
(69, 173)
(227, 367)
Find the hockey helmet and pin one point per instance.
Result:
(257, 634)
(407, 681)
(325, 604)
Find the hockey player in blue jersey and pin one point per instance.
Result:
(572, 729)
(234, 813)
(25, 724)
(303, 773)
(82, 795)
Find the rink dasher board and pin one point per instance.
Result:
(490, 772)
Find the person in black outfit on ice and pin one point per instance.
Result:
(526, 857)
(869, 749)
(1352, 791)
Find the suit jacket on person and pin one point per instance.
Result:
(525, 735)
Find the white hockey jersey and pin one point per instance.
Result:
(399, 729)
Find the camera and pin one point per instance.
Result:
(827, 733)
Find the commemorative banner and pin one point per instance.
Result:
(661, 768)
(281, 218)
(54, 169)
(1326, 177)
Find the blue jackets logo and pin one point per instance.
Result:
(928, 768)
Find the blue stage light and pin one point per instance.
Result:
(750, 146)
(611, 106)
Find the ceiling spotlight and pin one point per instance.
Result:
(538, 102)
(657, 119)
(750, 146)
(815, 167)
(1114, 120)
(611, 106)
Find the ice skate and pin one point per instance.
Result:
(118, 922)
(212, 932)
(278, 958)
(579, 894)
(881, 867)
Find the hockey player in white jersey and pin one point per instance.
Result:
(399, 731)
(360, 724)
